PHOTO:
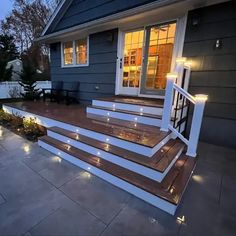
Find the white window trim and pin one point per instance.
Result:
(74, 54)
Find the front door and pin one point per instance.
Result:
(157, 58)
(131, 62)
(146, 59)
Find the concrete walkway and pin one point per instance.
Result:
(40, 194)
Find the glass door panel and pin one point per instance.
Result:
(132, 62)
(157, 58)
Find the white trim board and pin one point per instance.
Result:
(140, 193)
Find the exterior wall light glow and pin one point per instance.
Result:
(181, 219)
(188, 63)
(181, 60)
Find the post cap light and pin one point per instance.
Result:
(188, 63)
(172, 76)
(201, 97)
(181, 60)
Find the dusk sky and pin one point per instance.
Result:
(6, 6)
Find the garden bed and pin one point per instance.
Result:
(25, 127)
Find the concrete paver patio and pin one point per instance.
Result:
(40, 194)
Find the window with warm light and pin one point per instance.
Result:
(75, 53)
(68, 53)
(81, 51)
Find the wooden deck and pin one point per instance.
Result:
(169, 169)
(76, 115)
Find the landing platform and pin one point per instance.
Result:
(153, 102)
(75, 115)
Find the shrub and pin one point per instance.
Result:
(29, 83)
(16, 121)
(30, 126)
(5, 117)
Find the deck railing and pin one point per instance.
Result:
(175, 113)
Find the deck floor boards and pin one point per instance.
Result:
(76, 115)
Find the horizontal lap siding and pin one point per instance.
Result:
(97, 79)
(214, 70)
(84, 11)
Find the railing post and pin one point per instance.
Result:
(179, 69)
(166, 116)
(200, 101)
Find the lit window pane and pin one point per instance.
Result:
(68, 53)
(81, 51)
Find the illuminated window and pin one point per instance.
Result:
(75, 53)
(68, 53)
(81, 51)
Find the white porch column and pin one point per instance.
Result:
(200, 101)
(166, 116)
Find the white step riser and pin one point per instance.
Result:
(47, 122)
(128, 107)
(153, 200)
(124, 116)
(140, 169)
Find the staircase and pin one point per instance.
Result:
(121, 142)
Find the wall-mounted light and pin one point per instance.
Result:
(218, 44)
(195, 21)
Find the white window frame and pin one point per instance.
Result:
(74, 54)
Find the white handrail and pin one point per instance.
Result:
(185, 93)
(199, 103)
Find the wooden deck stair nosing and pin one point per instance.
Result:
(155, 167)
(142, 187)
(96, 134)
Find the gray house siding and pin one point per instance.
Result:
(214, 70)
(97, 79)
(82, 11)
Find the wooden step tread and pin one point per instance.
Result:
(141, 134)
(159, 161)
(148, 185)
(140, 101)
(127, 112)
